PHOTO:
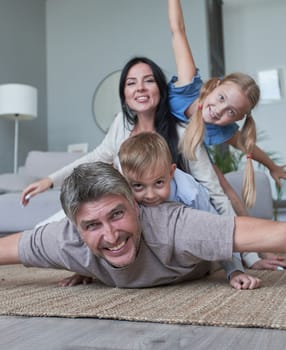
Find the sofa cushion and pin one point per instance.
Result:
(41, 164)
(15, 182)
(18, 218)
(263, 206)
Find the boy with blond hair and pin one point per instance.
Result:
(146, 163)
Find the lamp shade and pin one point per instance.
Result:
(18, 101)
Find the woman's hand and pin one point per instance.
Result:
(34, 189)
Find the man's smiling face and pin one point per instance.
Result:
(110, 227)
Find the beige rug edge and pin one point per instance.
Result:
(208, 302)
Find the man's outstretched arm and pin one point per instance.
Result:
(9, 249)
(259, 235)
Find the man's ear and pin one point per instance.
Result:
(172, 170)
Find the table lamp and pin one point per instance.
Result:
(18, 102)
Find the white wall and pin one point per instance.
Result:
(87, 39)
(254, 37)
(23, 60)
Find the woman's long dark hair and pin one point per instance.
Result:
(165, 123)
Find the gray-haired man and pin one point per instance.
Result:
(111, 238)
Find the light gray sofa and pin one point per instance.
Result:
(38, 164)
(263, 206)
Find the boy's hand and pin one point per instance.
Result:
(241, 280)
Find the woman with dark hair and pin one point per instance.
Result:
(163, 122)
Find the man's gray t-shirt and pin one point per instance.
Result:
(176, 243)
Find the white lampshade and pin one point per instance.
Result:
(18, 101)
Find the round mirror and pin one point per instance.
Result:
(106, 102)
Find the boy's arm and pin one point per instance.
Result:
(185, 64)
(236, 275)
(9, 249)
(232, 265)
(277, 171)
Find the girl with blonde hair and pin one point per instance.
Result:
(212, 109)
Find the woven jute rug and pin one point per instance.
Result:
(210, 301)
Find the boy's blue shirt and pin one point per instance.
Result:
(185, 189)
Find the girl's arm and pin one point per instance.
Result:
(236, 202)
(185, 64)
(276, 171)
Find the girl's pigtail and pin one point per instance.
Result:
(195, 130)
(247, 141)
(193, 136)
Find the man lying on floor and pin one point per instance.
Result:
(111, 238)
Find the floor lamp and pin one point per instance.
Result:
(18, 102)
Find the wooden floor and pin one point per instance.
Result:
(19, 333)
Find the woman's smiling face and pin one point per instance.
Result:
(141, 91)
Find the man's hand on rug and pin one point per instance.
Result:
(271, 262)
(241, 280)
(75, 280)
